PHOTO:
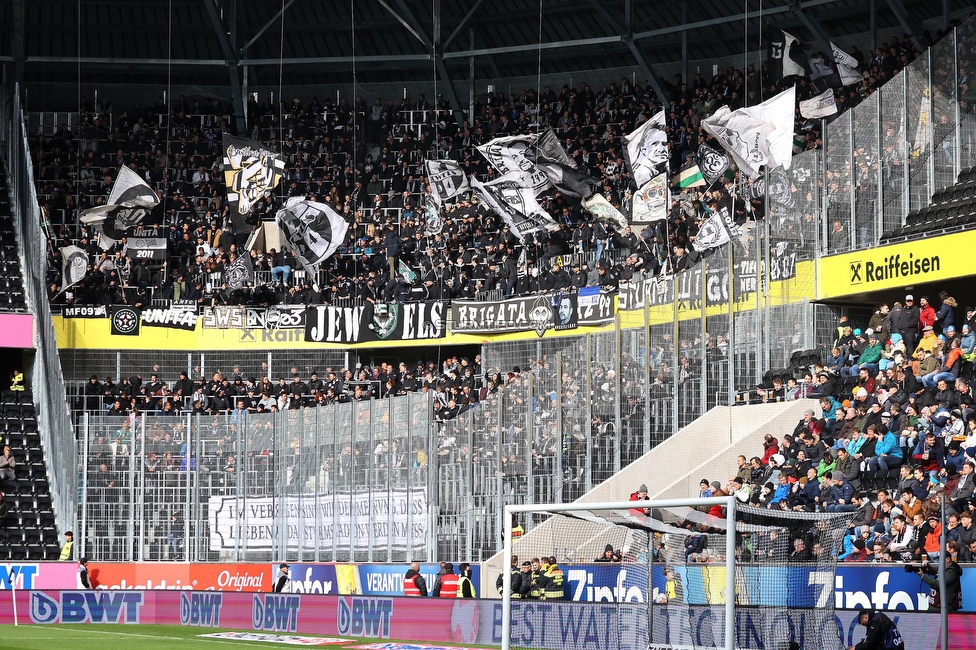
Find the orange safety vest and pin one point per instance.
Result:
(410, 587)
(449, 586)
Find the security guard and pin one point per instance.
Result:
(516, 579)
(538, 581)
(465, 587)
(554, 575)
(517, 531)
(525, 582)
(447, 582)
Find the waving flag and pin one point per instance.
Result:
(250, 171)
(712, 234)
(823, 105)
(314, 231)
(651, 202)
(603, 210)
(712, 163)
(447, 180)
(757, 135)
(74, 266)
(846, 66)
(130, 201)
(515, 203)
(239, 272)
(646, 150)
(569, 181)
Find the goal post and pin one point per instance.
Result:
(729, 503)
(676, 574)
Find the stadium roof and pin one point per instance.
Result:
(217, 42)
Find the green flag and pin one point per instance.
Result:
(690, 176)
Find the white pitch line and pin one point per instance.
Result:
(155, 636)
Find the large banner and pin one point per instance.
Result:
(539, 313)
(557, 625)
(393, 321)
(397, 519)
(170, 575)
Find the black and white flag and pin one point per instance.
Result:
(569, 181)
(777, 185)
(758, 135)
(130, 201)
(549, 148)
(250, 171)
(712, 163)
(823, 105)
(515, 203)
(432, 217)
(240, 271)
(646, 150)
(447, 180)
(514, 157)
(712, 234)
(846, 66)
(314, 231)
(74, 266)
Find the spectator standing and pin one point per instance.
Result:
(83, 582)
(8, 464)
(282, 579)
(465, 586)
(69, 546)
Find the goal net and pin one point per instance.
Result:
(655, 575)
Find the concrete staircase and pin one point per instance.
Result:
(706, 448)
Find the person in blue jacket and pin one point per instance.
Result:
(888, 455)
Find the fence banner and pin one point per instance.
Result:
(397, 519)
(539, 313)
(38, 575)
(171, 575)
(558, 625)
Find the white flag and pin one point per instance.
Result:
(651, 202)
(74, 266)
(130, 201)
(646, 150)
(603, 210)
(757, 135)
(712, 234)
(843, 58)
(846, 66)
(823, 105)
(313, 230)
(446, 179)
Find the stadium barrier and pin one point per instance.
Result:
(886, 587)
(563, 625)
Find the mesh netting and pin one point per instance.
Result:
(665, 573)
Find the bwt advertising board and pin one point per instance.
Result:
(535, 624)
(361, 579)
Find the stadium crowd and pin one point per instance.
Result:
(366, 161)
(895, 431)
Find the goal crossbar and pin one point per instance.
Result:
(728, 502)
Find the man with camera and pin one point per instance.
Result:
(953, 582)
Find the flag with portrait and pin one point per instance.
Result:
(651, 202)
(250, 171)
(646, 150)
